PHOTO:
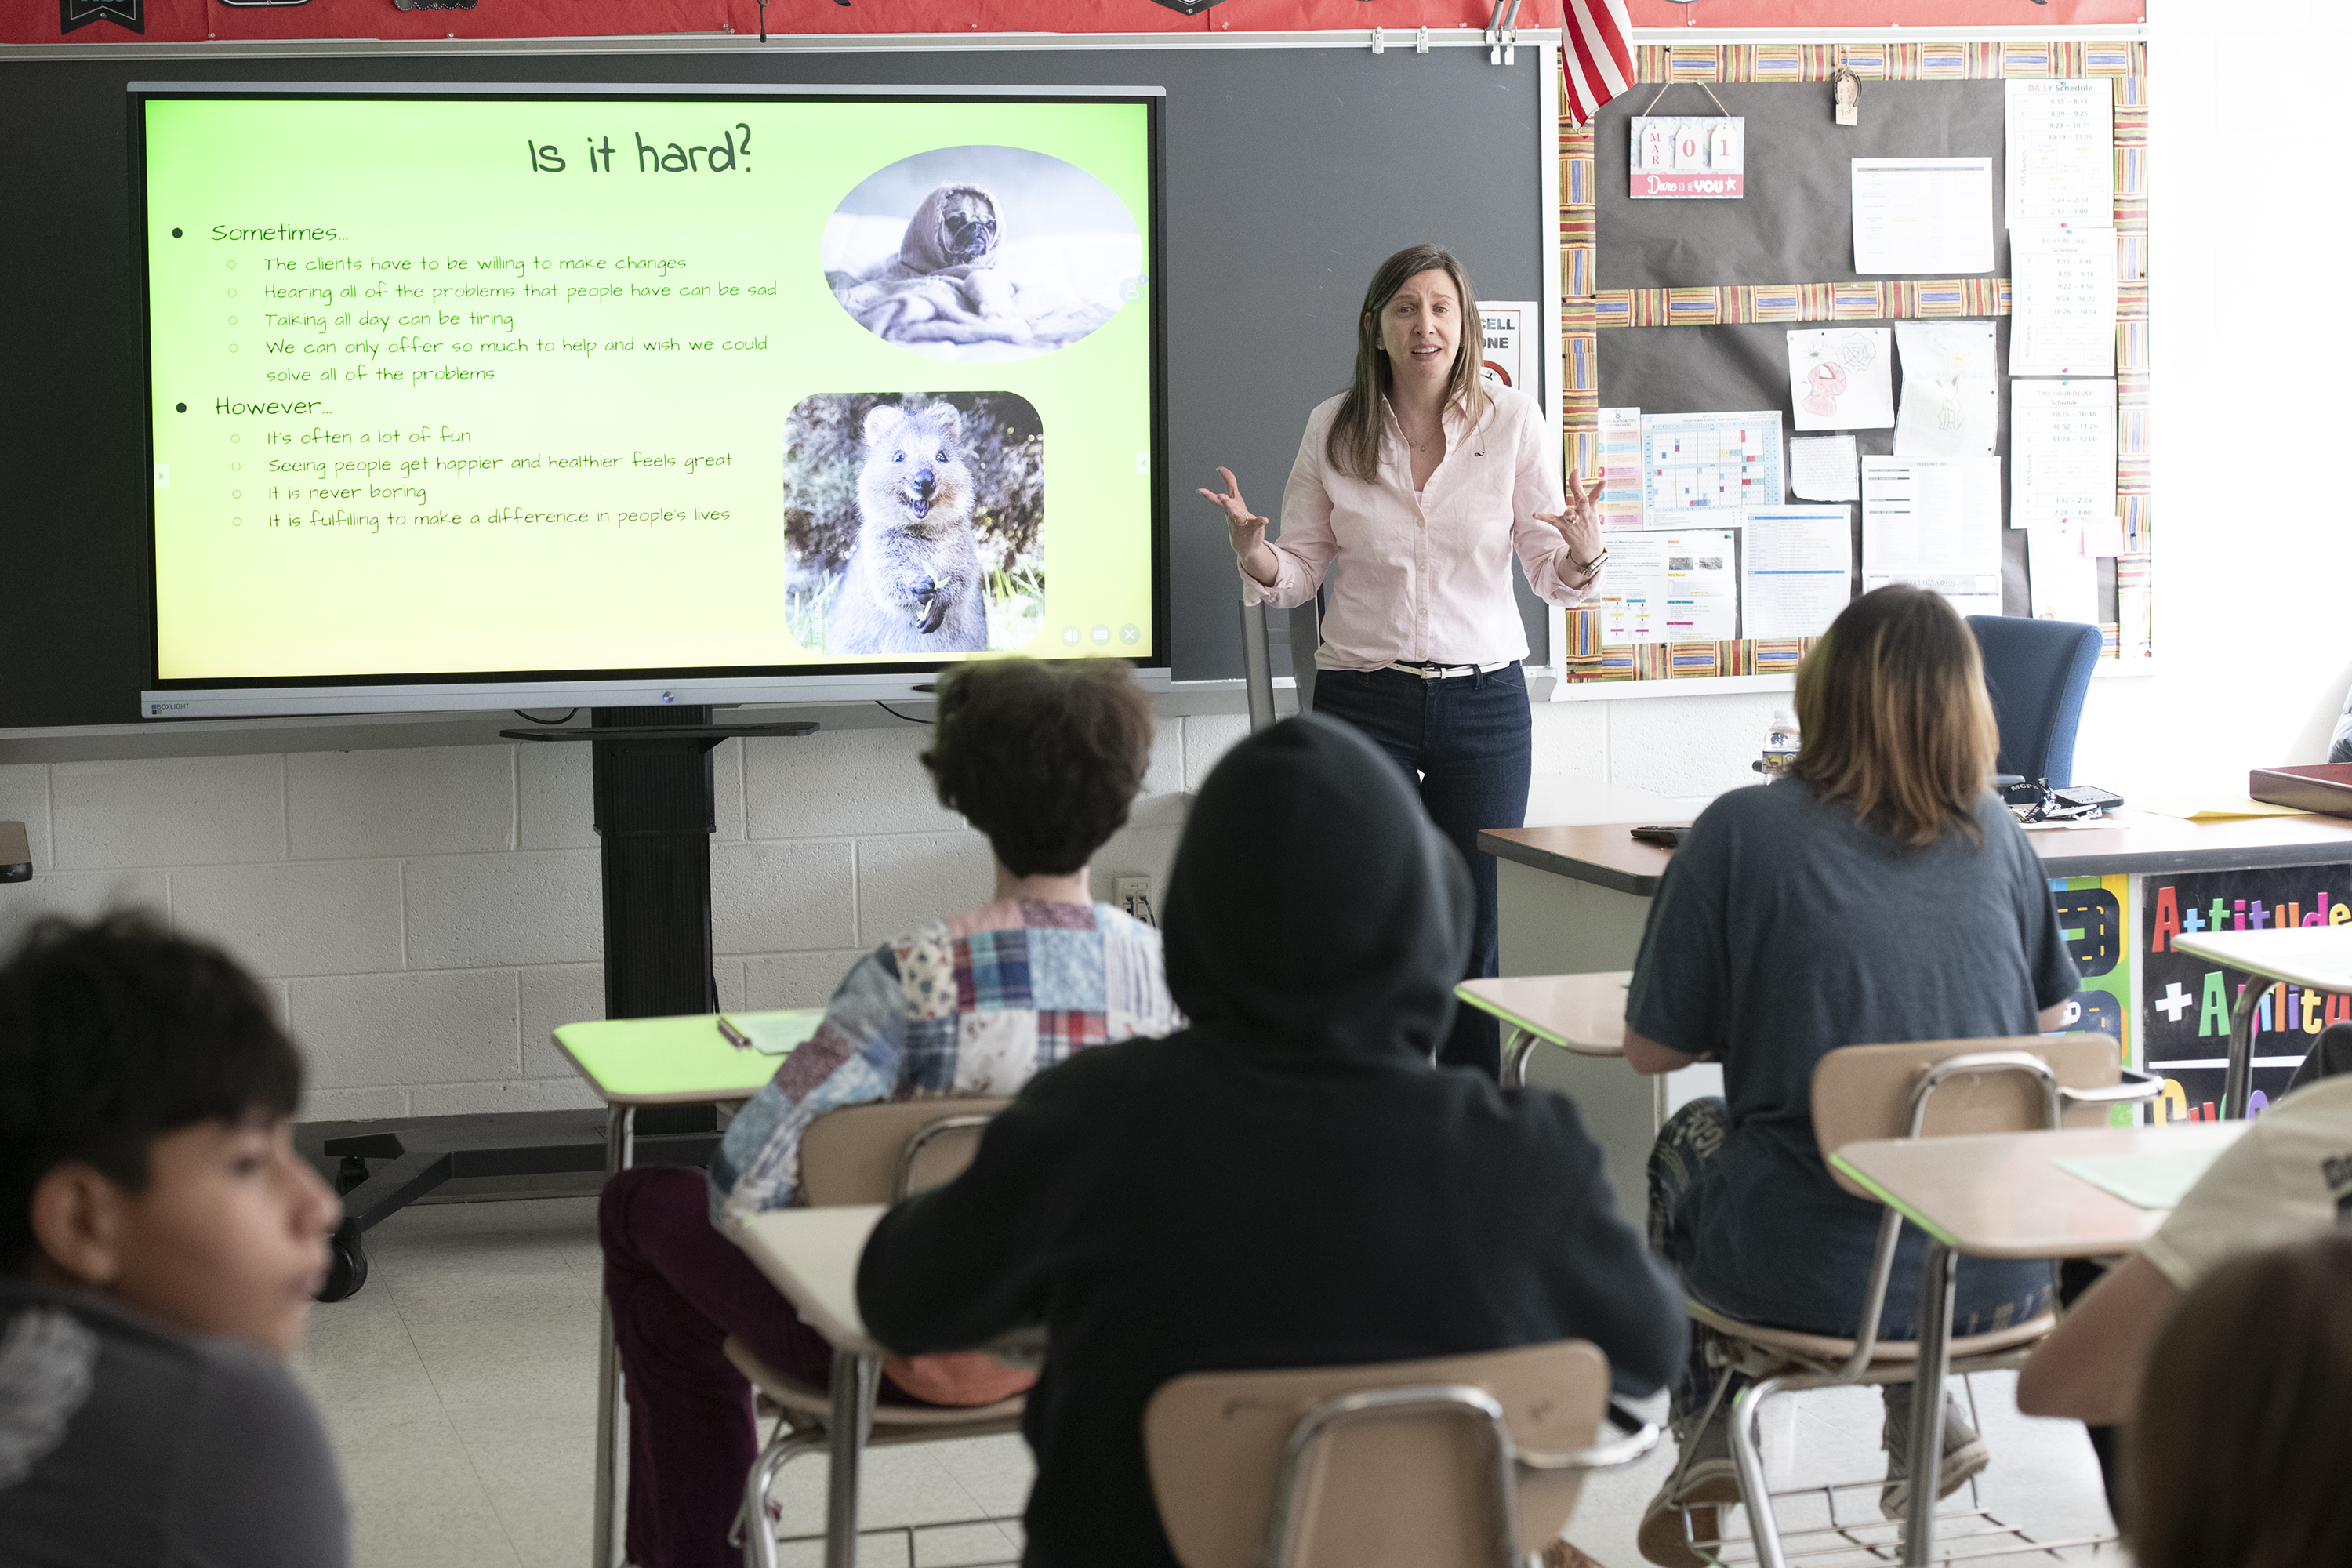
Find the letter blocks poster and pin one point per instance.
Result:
(2186, 1001)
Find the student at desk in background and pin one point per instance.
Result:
(1044, 758)
(1879, 893)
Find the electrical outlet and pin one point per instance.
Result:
(1133, 894)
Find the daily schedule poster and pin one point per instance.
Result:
(619, 382)
(1709, 462)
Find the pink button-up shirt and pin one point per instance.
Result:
(1423, 576)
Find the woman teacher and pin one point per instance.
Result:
(1410, 492)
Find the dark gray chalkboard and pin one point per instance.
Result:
(1289, 173)
(1793, 226)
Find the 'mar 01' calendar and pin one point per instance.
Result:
(1702, 158)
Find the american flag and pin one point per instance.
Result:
(1596, 55)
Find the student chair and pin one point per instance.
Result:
(1468, 1461)
(867, 1154)
(2038, 673)
(1936, 1088)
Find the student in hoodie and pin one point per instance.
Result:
(1044, 758)
(1290, 1181)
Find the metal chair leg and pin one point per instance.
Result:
(1747, 1455)
(1515, 1051)
(855, 1379)
(758, 1538)
(2238, 1077)
(1937, 1276)
(612, 1414)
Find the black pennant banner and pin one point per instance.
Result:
(130, 14)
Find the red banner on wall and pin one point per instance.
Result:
(183, 21)
(1824, 14)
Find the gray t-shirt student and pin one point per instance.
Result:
(123, 1443)
(1783, 930)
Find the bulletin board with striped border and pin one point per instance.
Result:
(1587, 311)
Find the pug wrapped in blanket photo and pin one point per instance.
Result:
(980, 253)
(914, 524)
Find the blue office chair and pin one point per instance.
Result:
(2038, 672)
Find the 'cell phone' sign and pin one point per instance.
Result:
(1702, 158)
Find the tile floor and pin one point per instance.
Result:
(459, 1386)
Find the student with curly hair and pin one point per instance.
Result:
(1044, 758)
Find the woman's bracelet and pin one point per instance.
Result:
(1588, 570)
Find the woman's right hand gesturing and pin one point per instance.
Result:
(1246, 532)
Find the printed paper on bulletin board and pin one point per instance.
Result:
(2185, 1003)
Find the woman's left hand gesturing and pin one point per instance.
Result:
(1581, 523)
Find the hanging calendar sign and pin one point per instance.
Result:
(1703, 158)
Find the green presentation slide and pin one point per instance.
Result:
(448, 385)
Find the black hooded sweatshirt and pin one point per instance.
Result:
(1289, 1181)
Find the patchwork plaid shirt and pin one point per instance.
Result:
(973, 1005)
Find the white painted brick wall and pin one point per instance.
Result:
(424, 918)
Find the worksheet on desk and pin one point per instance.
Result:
(1934, 523)
(2061, 140)
(1922, 215)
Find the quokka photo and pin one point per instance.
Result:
(914, 524)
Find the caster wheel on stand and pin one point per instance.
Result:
(347, 1263)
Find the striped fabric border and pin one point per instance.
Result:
(1587, 308)
(1587, 658)
(1887, 62)
(1742, 304)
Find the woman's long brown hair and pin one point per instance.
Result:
(1896, 719)
(1353, 445)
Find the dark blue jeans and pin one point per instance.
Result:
(1465, 744)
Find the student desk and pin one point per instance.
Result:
(1584, 1016)
(1580, 1012)
(632, 1062)
(2315, 958)
(1998, 1195)
(811, 1257)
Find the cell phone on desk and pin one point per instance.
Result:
(1666, 837)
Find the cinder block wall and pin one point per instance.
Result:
(425, 917)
